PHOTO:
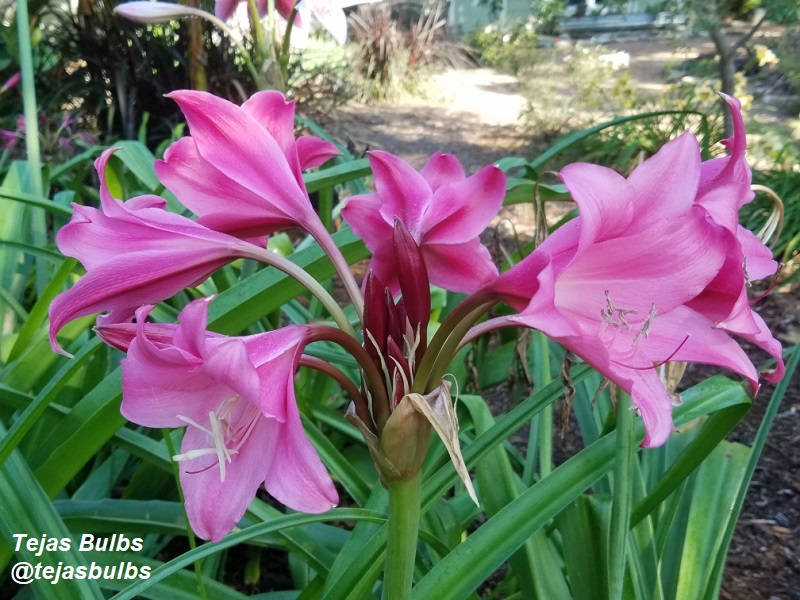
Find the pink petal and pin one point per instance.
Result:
(224, 9)
(276, 114)
(517, 286)
(229, 364)
(655, 406)
(122, 283)
(313, 152)
(158, 384)
(461, 267)
(541, 312)
(684, 335)
(645, 388)
(154, 12)
(442, 169)
(403, 192)
(733, 168)
(677, 162)
(275, 355)
(215, 507)
(284, 7)
(241, 148)
(605, 201)
(722, 203)
(765, 340)
(296, 475)
(363, 214)
(641, 270)
(760, 263)
(461, 211)
(220, 202)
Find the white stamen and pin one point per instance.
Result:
(221, 434)
(411, 349)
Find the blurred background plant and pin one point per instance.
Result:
(397, 44)
(512, 49)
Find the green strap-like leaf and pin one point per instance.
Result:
(473, 561)
(27, 510)
(39, 311)
(285, 522)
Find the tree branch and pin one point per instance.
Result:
(746, 38)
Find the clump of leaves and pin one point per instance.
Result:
(512, 49)
(318, 77)
(396, 44)
(120, 70)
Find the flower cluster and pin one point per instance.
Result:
(654, 269)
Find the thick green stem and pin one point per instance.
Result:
(401, 546)
(29, 99)
(621, 505)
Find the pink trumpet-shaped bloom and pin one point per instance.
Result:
(241, 169)
(654, 269)
(134, 252)
(443, 210)
(235, 396)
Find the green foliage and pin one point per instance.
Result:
(548, 14)
(70, 464)
(511, 49)
(789, 52)
(396, 44)
(319, 76)
(122, 70)
(756, 215)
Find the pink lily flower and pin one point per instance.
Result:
(235, 396)
(241, 169)
(134, 252)
(653, 270)
(444, 212)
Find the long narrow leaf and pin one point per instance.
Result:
(474, 560)
(27, 510)
(286, 522)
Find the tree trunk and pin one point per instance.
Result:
(727, 71)
(197, 53)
